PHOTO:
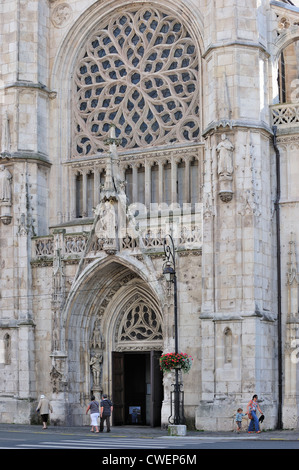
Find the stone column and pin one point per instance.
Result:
(84, 193)
(73, 195)
(147, 183)
(161, 179)
(187, 195)
(96, 189)
(135, 182)
(173, 180)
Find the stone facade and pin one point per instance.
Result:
(122, 122)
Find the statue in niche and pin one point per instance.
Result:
(225, 157)
(5, 185)
(96, 340)
(96, 366)
(225, 168)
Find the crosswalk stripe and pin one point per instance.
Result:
(54, 446)
(114, 443)
(105, 443)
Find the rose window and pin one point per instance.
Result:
(139, 72)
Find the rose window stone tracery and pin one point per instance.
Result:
(139, 72)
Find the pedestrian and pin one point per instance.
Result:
(251, 411)
(106, 410)
(94, 408)
(239, 417)
(44, 407)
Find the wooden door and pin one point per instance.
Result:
(118, 388)
(156, 389)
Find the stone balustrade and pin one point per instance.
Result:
(74, 245)
(285, 115)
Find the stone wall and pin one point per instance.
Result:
(227, 283)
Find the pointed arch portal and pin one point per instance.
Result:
(114, 338)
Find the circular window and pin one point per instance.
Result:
(139, 72)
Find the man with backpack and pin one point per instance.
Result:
(106, 410)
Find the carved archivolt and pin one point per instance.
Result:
(139, 72)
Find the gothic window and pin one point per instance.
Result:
(180, 182)
(139, 71)
(282, 79)
(288, 68)
(141, 184)
(90, 186)
(129, 184)
(194, 183)
(154, 183)
(140, 323)
(79, 196)
(167, 183)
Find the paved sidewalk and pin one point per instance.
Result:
(148, 432)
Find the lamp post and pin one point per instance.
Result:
(169, 271)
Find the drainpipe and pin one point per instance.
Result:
(279, 332)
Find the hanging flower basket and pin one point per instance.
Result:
(172, 361)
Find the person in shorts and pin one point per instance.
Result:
(94, 409)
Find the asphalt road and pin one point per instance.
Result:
(128, 441)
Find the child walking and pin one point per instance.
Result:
(239, 417)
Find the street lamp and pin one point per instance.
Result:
(169, 271)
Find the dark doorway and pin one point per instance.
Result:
(137, 388)
(137, 382)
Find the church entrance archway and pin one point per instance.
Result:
(114, 338)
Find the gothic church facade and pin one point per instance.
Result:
(122, 123)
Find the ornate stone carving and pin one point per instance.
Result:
(292, 273)
(58, 294)
(141, 323)
(140, 71)
(58, 374)
(292, 282)
(283, 23)
(61, 15)
(56, 378)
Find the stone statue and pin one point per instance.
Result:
(225, 157)
(95, 364)
(5, 185)
(96, 341)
